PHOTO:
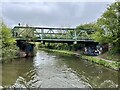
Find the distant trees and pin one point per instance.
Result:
(88, 26)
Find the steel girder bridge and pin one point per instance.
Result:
(55, 35)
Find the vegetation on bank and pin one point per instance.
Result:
(110, 64)
(8, 47)
(110, 56)
(58, 51)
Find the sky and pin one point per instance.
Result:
(51, 14)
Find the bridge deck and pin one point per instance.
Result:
(60, 40)
(53, 28)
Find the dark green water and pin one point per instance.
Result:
(47, 70)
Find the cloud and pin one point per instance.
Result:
(52, 13)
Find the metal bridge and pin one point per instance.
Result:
(56, 35)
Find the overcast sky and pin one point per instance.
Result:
(52, 14)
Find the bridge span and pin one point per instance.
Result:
(54, 35)
(26, 34)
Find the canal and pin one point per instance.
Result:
(48, 70)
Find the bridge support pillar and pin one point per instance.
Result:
(26, 47)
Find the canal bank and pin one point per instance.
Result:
(94, 59)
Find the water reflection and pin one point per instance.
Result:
(11, 71)
(96, 75)
(51, 75)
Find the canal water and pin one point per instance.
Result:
(48, 70)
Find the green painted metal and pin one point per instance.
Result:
(45, 33)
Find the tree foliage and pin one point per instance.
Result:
(88, 26)
(7, 38)
(108, 26)
(8, 48)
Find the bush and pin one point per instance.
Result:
(9, 53)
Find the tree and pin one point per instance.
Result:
(108, 26)
(8, 47)
(7, 38)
